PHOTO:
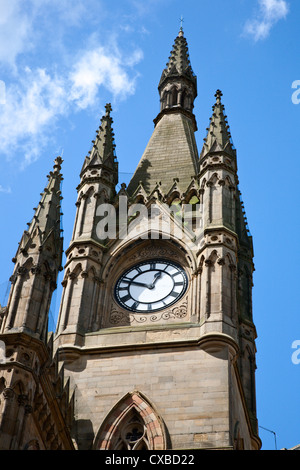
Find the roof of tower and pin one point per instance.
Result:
(218, 132)
(103, 150)
(179, 64)
(171, 152)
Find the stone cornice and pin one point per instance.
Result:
(176, 110)
(211, 342)
(24, 339)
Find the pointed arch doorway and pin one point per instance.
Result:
(132, 424)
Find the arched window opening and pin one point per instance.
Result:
(174, 96)
(194, 213)
(164, 100)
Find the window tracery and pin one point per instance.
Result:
(132, 434)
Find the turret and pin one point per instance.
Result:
(178, 83)
(227, 252)
(98, 179)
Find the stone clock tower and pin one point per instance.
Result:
(155, 336)
(155, 329)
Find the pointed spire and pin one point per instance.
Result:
(103, 150)
(39, 256)
(48, 214)
(178, 84)
(179, 64)
(218, 132)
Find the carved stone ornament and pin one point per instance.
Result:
(118, 316)
(153, 252)
(22, 270)
(36, 269)
(22, 399)
(8, 393)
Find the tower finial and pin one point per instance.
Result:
(181, 26)
(108, 109)
(218, 95)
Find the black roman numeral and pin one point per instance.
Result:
(126, 298)
(173, 294)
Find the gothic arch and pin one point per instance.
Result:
(32, 445)
(174, 198)
(85, 199)
(191, 193)
(76, 271)
(133, 423)
(213, 180)
(213, 256)
(228, 182)
(103, 196)
(91, 271)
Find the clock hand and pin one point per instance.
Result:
(149, 286)
(141, 284)
(156, 277)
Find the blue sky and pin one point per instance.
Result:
(61, 61)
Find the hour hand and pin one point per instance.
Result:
(156, 277)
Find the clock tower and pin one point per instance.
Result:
(155, 328)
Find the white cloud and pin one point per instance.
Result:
(57, 79)
(15, 27)
(270, 12)
(5, 190)
(23, 25)
(35, 102)
(31, 105)
(97, 68)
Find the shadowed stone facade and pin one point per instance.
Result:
(174, 371)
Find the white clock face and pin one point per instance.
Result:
(151, 286)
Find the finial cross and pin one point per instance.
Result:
(181, 23)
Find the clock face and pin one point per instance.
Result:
(151, 286)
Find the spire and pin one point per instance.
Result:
(179, 64)
(37, 263)
(103, 150)
(172, 148)
(48, 212)
(218, 132)
(178, 83)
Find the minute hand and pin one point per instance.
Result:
(141, 284)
